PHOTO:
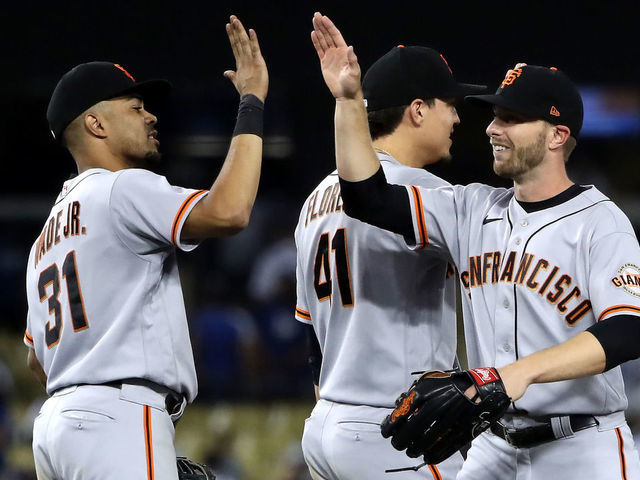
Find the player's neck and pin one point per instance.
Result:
(541, 185)
(405, 152)
(88, 160)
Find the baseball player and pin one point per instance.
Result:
(377, 311)
(106, 328)
(549, 270)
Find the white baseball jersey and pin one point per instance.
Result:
(534, 280)
(103, 290)
(379, 311)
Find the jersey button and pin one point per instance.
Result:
(518, 241)
(505, 304)
(506, 347)
(524, 223)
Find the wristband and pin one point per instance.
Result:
(250, 116)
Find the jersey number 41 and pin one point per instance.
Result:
(322, 268)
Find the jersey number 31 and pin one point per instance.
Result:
(51, 276)
(322, 268)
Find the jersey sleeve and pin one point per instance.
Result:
(302, 307)
(614, 275)
(148, 213)
(434, 212)
(28, 339)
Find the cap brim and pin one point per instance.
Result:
(150, 90)
(486, 100)
(501, 101)
(464, 89)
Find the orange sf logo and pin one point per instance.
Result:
(404, 407)
(511, 77)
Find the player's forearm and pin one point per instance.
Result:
(355, 157)
(227, 208)
(578, 357)
(236, 187)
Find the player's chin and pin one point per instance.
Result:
(152, 156)
(446, 157)
(503, 170)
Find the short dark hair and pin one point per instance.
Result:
(70, 135)
(385, 121)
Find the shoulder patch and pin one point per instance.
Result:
(628, 278)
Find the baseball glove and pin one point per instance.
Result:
(190, 470)
(434, 418)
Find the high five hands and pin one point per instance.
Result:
(338, 61)
(250, 76)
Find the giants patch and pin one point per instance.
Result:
(628, 278)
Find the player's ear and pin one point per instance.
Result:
(416, 111)
(94, 124)
(559, 136)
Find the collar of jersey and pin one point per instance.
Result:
(385, 156)
(70, 184)
(571, 192)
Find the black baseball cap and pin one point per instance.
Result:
(541, 92)
(90, 83)
(406, 73)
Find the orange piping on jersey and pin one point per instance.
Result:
(28, 337)
(435, 472)
(623, 463)
(619, 308)
(179, 215)
(148, 441)
(303, 314)
(422, 228)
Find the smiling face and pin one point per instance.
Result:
(440, 120)
(131, 130)
(519, 143)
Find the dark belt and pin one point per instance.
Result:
(538, 434)
(172, 400)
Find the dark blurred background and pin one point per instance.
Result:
(240, 292)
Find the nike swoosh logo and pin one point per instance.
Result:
(489, 220)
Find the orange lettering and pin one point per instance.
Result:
(511, 77)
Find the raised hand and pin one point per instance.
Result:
(250, 76)
(338, 61)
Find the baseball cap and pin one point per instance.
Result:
(540, 92)
(90, 83)
(406, 73)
